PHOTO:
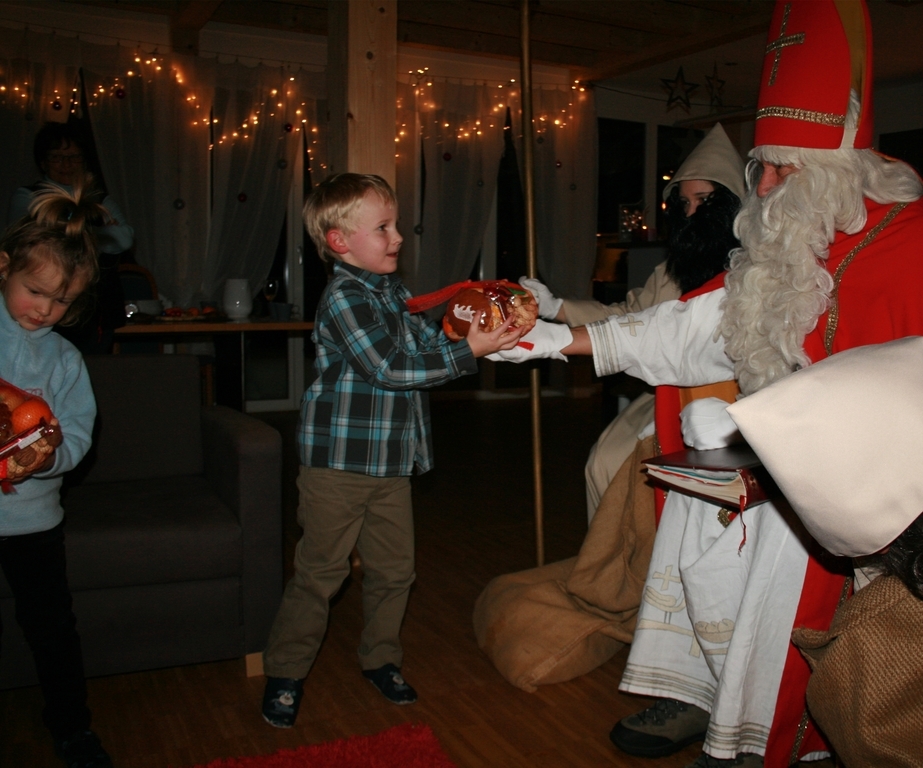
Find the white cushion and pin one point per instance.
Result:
(843, 438)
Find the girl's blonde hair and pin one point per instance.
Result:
(334, 202)
(57, 229)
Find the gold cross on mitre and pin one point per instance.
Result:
(782, 41)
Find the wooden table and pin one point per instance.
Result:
(229, 352)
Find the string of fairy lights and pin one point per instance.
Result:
(18, 91)
(503, 94)
(18, 94)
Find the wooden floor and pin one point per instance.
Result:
(474, 519)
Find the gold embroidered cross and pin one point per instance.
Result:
(666, 577)
(630, 324)
(782, 41)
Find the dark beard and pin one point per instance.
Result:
(904, 558)
(698, 246)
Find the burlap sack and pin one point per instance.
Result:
(866, 687)
(554, 623)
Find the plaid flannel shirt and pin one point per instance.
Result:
(364, 411)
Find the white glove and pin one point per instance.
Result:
(706, 424)
(544, 340)
(548, 305)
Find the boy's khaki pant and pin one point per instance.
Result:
(339, 510)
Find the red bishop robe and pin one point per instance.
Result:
(880, 298)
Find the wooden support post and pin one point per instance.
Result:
(362, 86)
(254, 664)
(528, 162)
(186, 24)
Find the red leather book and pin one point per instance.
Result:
(730, 477)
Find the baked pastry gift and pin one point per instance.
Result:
(497, 299)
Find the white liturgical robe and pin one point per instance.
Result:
(717, 610)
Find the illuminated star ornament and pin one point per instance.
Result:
(715, 87)
(679, 89)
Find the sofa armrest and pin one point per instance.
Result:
(243, 463)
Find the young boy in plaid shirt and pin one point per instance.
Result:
(365, 426)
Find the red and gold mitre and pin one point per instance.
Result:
(817, 51)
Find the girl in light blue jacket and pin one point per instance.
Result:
(47, 262)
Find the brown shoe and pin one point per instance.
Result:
(662, 729)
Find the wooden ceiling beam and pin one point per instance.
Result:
(306, 17)
(156, 7)
(598, 39)
(657, 17)
(622, 63)
(186, 23)
(195, 13)
(502, 19)
(480, 43)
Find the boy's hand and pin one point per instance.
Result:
(488, 342)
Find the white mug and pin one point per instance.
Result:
(238, 304)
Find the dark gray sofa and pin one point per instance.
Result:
(173, 527)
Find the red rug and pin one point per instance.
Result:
(403, 746)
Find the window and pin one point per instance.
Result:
(621, 172)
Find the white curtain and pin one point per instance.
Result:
(38, 74)
(462, 136)
(267, 108)
(216, 144)
(565, 153)
(450, 140)
(200, 214)
(151, 130)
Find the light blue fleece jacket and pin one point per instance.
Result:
(45, 363)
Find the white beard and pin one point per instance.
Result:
(777, 286)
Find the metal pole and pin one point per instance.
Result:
(535, 383)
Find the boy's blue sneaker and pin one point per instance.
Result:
(82, 750)
(393, 687)
(281, 699)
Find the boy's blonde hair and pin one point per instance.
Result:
(334, 202)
